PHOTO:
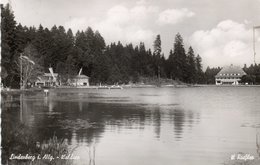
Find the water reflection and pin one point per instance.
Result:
(46, 115)
(161, 120)
(157, 122)
(178, 121)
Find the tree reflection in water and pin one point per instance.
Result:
(82, 121)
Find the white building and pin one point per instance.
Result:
(81, 80)
(229, 75)
(47, 79)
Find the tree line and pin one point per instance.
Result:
(111, 63)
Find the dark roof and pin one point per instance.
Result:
(231, 71)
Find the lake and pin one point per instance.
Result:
(148, 126)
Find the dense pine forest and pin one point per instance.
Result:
(106, 63)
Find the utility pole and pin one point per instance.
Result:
(254, 27)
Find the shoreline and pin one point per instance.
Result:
(10, 90)
(3, 90)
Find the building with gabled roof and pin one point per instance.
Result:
(229, 75)
(47, 79)
(80, 80)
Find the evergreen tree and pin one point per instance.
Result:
(253, 74)
(9, 45)
(85, 44)
(21, 38)
(210, 74)
(199, 72)
(101, 70)
(171, 65)
(101, 66)
(179, 59)
(43, 44)
(80, 40)
(114, 63)
(70, 37)
(144, 60)
(191, 67)
(99, 43)
(163, 66)
(136, 62)
(157, 54)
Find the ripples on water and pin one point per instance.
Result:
(146, 126)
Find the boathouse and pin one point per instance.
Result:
(229, 75)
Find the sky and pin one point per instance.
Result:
(220, 31)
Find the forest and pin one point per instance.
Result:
(106, 63)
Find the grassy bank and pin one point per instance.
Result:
(18, 138)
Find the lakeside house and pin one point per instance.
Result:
(47, 79)
(229, 75)
(80, 80)
(51, 80)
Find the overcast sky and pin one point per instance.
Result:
(219, 30)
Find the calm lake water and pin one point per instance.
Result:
(148, 126)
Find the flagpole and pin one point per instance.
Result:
(254, 27)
